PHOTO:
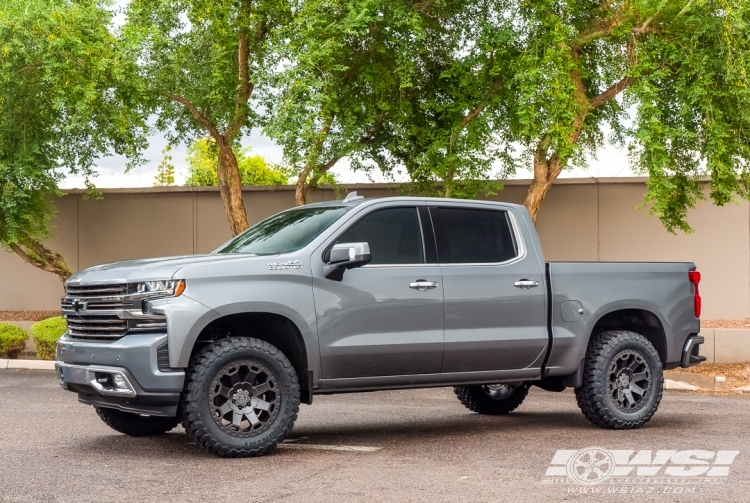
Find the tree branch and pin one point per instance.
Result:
(197, 115)
(602, 28)
(611, 92)
(686, 8)
(471, 116)
(372, 135)
(45, 259)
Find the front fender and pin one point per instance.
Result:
(186, 319)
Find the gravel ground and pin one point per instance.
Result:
(27, 315)
(430, 449)
(726, 323)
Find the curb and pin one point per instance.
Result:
(680, 385)
(27, 364)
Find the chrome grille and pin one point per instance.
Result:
(68, 304)
(103, 305)
(99, 291)
(105, 327)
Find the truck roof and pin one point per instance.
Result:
(436, 200)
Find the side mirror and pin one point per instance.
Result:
(346, 256)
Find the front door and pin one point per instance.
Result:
(493, 289)
(385, 318)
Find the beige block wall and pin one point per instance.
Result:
(579, 220)
(720, 245)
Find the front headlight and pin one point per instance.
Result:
(168, 287)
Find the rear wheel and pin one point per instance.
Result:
(136, 425)
(622, 381)
(241, 397)
(492, 398)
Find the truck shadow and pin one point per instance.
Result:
(394, 433)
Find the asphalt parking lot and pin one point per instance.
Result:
(388, 446)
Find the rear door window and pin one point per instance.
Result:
(473, 236)
(394, 236)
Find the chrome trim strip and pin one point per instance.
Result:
(522, 252)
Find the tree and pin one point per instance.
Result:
(541, 84)
(202, 61)
(67, 97)
(165, 171)
(254, 170)
(346, 64)
(445, 130)
(683, 67)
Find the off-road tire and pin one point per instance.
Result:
(136, 425)
(476, 399)
(205, 366)
(594, 397)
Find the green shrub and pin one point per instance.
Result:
(12, 340)
(46, 333)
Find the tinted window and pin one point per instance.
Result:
(394, 236)
(473, 236)
(284, 233)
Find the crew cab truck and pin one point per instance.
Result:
(364, 295)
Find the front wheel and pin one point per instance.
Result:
(622, 381)
(136, 425)
(241, 397)
(492, 399)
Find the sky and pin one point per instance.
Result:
(611, 161)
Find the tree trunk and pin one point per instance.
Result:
(38, 255)
(230, 188)
(545, 174)
(302, 191)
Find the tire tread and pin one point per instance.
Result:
(136, 425)
(589, 397)
(200, 365)
(475, 399)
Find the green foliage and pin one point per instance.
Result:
(448, 128)
(254, 170)
(165, 171)
(67, 97)
(505, 85)
(189, 49)
(345, 65)
(46, 333)
(12, 340)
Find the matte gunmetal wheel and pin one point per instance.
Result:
(244, 398)
(241, 397)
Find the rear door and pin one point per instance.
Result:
(494, 295)
(385, 318)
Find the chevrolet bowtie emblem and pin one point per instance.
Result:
(78, 305)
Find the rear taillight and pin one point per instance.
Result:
(695, 278)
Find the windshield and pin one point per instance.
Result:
(284, 233)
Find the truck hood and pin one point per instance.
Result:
(130, 271)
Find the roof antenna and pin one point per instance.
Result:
(352, 196)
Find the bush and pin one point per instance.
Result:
(46, 333)
(12, 340)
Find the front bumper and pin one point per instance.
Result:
(90, 369)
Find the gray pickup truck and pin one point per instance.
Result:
(365, 295)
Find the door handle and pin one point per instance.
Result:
(422, 285)
(526, 284)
